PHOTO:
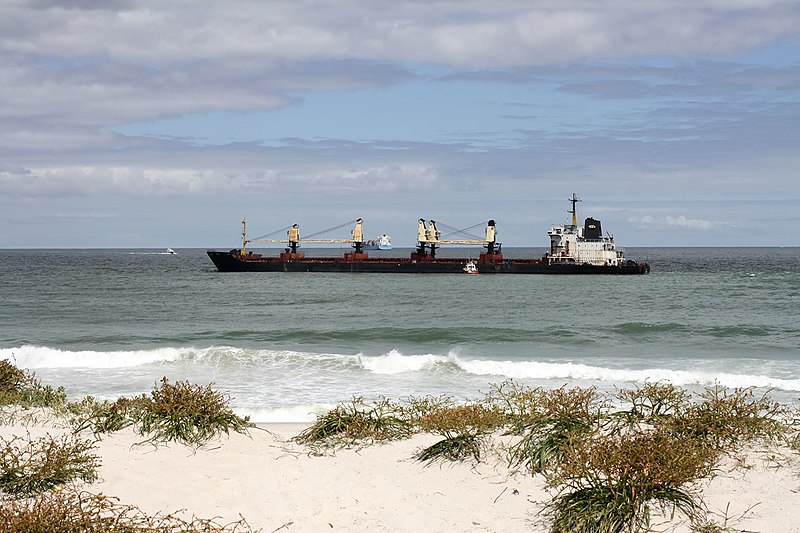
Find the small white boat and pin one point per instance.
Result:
(170, 251)
(384, 242)
(471, 268)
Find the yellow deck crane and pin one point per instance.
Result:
(430, 237)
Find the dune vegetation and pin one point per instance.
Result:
(610, 461)
(40, 477)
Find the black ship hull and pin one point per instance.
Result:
(233, 261)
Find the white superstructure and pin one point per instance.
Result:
(384, 242)
(570, 243)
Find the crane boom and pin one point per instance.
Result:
(293, 238)
(429, 237)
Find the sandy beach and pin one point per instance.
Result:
(278, 485)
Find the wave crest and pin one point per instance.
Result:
(352, 368)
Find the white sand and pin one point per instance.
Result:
(277, 485)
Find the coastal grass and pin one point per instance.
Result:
(38, 477)
(107, 417)
(30, 466)
(521, 405)
(356, 422)
(611, 460)
(21, 388)
(558, 420)
(610, 483)
(73, 511)
(726, 419)
(180, 412)
(649, 456)
(187, 413)
(464, 428)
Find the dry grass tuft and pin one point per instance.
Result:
(565, 418)
(354, 422)
(610, 482)
(464, 428)
(20, 387)
(727, 419)
(73, 511)
(32, 466)
(174, 412)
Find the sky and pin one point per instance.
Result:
(152, 124)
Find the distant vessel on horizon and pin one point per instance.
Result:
(384, 242)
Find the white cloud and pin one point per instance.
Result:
(71, 71)
(668, 221)
(470, 33)
(72, 65)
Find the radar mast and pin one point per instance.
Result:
(574, 200)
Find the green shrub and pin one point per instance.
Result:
(726, 419)
(545, 441)
(107, 417)
(610, 483)
(416, 408)
(653, 401)
(20, 387)
(463, 427)
(356, 421)
(565, 417)
(32, 466)
(180, 412)
(186, 413)
(521, 406)
(452, 448)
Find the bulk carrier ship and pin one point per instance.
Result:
(573, 250)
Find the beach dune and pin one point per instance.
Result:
(278, 485)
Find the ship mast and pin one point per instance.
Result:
(574, 200)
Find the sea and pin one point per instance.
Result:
(288, 346)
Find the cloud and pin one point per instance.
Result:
(73, 69)
(470, 33)
(680, 221)
(604, 98)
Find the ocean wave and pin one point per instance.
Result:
(635, 328)
(34, 357)
(395, 362)
(306, 413)
(444, 336)
(578, 371)
(350, 368)
(645, 328)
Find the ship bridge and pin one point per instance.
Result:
(570, 243)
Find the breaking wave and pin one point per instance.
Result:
(351, 368)
(34, 357)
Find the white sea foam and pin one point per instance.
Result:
(342, 366)
(576, 371)
(395, 362)
(44, 357)
(298, 413)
